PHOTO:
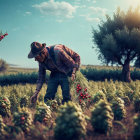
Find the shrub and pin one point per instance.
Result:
(23, 119)
(118, 108)
(136, 133)
(53, 104)
(137, 105)
(95, 98)
(2, 127)
(43, 114)
(102, 117)
(3, 65)
(70, 122)
(5, 106)
(24, 102)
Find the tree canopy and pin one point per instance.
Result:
(118, 39)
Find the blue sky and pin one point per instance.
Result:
(67, 22)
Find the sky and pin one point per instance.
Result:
(68, 22)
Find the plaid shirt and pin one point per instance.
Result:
(66, 60)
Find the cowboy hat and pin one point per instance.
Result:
(36, 48)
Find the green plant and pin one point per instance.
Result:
(118, 108)
(97, 97)
(2, 127)
(3, 65)
(5, 106)
(137, 105)
(53, 104)
(70, 122)
(136, 133)
(42, 114)
(24, 101)
(102, 117)
(23, 119)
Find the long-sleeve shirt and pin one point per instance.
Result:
(66, 60)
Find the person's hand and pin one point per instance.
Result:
(73, 77)
(34, 97)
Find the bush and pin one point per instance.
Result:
(136, 133)
(43, 114)
(118, 108)
(102, 117)
(70, 122)
(3, 65)
(23, 119)
(5, 107)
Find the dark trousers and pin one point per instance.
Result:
(55, 79)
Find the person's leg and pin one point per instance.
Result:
(65, 88)
(52, 87)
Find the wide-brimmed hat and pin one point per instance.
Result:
(36, 48)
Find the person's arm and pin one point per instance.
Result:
(40, 81)
(41, 77)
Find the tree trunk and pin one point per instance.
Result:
(126, 72)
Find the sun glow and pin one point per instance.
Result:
(133, 3)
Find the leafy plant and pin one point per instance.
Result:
(118, 108)
(70, 122)
(42, 114)
(136, 133)
(5, 106)
(102, 117)
(23, 119)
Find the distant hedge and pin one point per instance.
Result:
(19, 78)
(102, 74)
(90, 74)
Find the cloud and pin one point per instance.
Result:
(100, 10)
(91, 19)
(28, 13)
(58, 9)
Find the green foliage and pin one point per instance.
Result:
(118, 40)
(95, 98)
(80, 89)
(19, 78)
(24, 101)
(137, 104)
(118, 108)
(43, 114)
(126, 100)
(2, 127)
(70, 122)
(23, 119)
(53, 104)
(102, 117)
(102, 74)
(136, 133)
(137, 62)
(3, 65)
(5, 106)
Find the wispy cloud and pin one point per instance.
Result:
(89, 18)
(28, 13)
(58, 9)
(98, 10)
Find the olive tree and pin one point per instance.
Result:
(118, 39)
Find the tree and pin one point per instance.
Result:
(137, 63)
(3, 65)
(118, 39)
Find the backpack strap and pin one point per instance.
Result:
(51, 53)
